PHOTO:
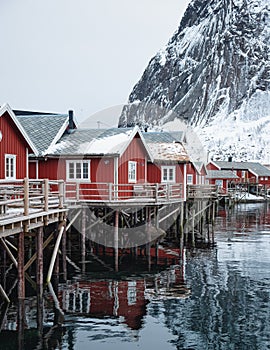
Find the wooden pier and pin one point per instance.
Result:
(35, 215)
(29, 209)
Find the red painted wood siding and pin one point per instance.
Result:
(192, 171)
(12, 143)
(211, 166)
(135, 152)
(154, 172)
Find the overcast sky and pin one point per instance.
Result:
(84, 55)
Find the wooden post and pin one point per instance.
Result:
(26, 196)
(64, 254)
(181, 231)
(61, 194)
(46, 195)
(193, 229)
(83, 238)
(213, 223)
(39, 272)
(116, 234)
(148, 233)
(21, 283)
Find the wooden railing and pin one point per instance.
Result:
(25, 196)
(122, 192)
(202, 191)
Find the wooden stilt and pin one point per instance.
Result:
(148, 233)
(193, 229)
(83, 238)
(181, 231)
(116, 236)
(21, 288)
(64, 254)
(39, 272)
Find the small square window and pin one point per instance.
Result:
(190, 179)
(78, 170)
(168, 174)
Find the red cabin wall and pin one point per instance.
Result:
(12, 143)
(211, 166)
(192, 171)
(135, 152)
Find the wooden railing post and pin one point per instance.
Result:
(77, 191)
(110, 191)
(156, 192)
(46, 194)
(61, 194)
(26, 196)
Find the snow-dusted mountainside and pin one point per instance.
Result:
(214, 73)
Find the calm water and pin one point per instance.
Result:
(218, 299)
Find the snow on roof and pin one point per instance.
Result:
(93, 142)
(174, 152)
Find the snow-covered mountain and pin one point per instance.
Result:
(214, 73)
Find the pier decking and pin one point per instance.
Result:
(28, 204)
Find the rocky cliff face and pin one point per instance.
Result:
(214, 71)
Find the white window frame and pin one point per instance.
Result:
(165, 174)
(10, 159)
(189, 179)
(132, 171)
(78, 164)
(219, 183)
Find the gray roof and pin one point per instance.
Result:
(162, 136)
(93, 142)
(166, 146)
(254, 167)
(221, 174)
(42, 129)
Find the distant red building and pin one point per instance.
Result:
(247, 172)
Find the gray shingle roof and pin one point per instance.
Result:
(254, 167)
(43, 129)
(92, 142)
(162, 136)
(221, 174)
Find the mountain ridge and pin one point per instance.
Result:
(215, 70)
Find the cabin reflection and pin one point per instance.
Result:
(126, 298)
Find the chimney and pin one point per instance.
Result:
(70, 120)
(230, 159)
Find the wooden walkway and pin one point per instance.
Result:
(29, 204)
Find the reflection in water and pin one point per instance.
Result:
(217, 299)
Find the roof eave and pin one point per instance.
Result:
(7, 108)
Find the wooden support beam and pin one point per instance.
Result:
(116, 236)
(39, 273)
(55, 251)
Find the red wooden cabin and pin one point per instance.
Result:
(98, 164)
(222, 178)
(170, 160)
(15, 146)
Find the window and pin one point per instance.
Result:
(266, 178)
(168, 174)
(219, 183)
(189, 179)
(10, 166)
(243, 174)
(132, 171)
(78, 170)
